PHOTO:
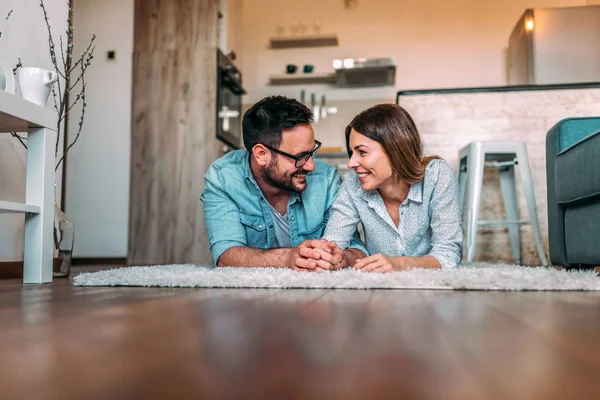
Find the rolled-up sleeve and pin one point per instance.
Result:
(221, 215)
(445, 217)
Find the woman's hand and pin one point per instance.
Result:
(382, 263)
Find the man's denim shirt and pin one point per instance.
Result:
(237, 214)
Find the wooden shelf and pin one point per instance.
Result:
(303, 41)
(302, 79)
(10, 207)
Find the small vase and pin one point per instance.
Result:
(64, 237)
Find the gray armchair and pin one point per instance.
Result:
(573, 175)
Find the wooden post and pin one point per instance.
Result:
(173, 128)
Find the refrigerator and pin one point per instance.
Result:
(555, 45)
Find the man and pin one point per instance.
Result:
(268, 205)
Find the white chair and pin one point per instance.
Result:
(504, 156)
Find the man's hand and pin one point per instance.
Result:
(316, 255)
(382, 263)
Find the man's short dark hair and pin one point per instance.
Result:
(266, 120)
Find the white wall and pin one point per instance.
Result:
(235, 28)
(28, 40)
(98, 166)
(437, 43)
(230, 28)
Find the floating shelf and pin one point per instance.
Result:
(302, 79)
(303, 41)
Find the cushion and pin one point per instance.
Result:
(572, 130)
(577, 170)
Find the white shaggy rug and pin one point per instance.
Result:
(477, 276)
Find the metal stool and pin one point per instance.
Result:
(504, 156)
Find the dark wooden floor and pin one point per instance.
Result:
(58, 341)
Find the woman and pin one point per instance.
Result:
(408, 204)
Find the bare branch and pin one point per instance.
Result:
(89, 50)
(62, 54)
(19, 65)
(70, 44)
(21, 138)
(50, 39)
(54, 98)
(79, 97)
(84, 67)
(83, 87)
(76, 82)
(52, 49)
(61, 115)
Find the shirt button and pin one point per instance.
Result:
(261, 199)
(402, 213)
(271, 226)
(260, 227)
(292, 218)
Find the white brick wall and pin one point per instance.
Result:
(448, 122)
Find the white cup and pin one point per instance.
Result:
(35, 84)
(7, 80)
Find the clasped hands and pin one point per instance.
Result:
(318, 255)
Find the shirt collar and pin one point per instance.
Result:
(294, 197)
(248, 170)
(415, 193)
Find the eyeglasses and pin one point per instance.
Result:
(301, 158)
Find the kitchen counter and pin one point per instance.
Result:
(492, 89)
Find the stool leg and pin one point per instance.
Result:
(462, 188)
(475, 160)
(462, 181)
(525, 170)
(509, 196)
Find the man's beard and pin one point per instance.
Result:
(273, 177)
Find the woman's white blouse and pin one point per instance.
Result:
(430, 218)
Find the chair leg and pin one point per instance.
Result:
(475, 162)
(509, 196)
(525, 171)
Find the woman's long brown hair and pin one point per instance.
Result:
(391, 126)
